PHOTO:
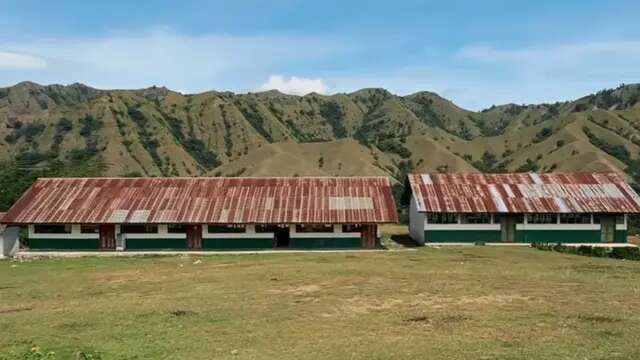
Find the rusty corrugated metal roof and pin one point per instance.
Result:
(524, 193)
(206, 200)
(1, 216)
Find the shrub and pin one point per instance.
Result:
(530, 165)
(626, 253)
(198, 150)
(394, 146)
(64, 125)
(89, 126)
(542, 134)
(334, 115)
(28, 131)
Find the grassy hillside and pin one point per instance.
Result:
(449, 303)
(159, 132)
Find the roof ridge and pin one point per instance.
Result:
(523, 173)
(214, 177)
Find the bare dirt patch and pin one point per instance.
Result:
(297, 290)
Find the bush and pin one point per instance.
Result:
(542, 134)
(64, 125)
(198, 150)
(394, 146)
(28, 131)
(89, 126)
(626, 253)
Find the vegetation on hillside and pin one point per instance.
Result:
(17, 176)
(162, 133)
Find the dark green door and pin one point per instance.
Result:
(607, 228)
(508, 228)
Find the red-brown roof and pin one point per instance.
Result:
(1, 216)
(206, 200)
(524, 193)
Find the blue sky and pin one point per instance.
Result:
(476, 53)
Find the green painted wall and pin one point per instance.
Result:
(528, 236)
(620, 236)
(156, 244)
(558, 236)
(325, 243)
(236, 244)
(64, 244)
(462, 236)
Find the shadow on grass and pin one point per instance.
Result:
(404, 240)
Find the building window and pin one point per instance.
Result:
(269, 228)
(575, 218)
(177, 229)
(519, 218)
(442, 218)
(89, 229)
(225, 228)
(597, 218)
(478, 218)
(314, 228)
(139, 229)
(350, 228)
(542, 219)
(52, 229)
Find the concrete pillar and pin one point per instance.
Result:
(121, 241)
(9, 241)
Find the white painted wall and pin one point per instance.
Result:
(9, 240)
(417, 222)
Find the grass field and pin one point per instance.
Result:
(425, 303)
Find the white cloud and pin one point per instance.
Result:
(294, 85)
(10, 60)
(563, 52)
(162, 57)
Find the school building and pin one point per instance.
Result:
(113, 214)
(521, 208)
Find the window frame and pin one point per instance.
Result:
(66, 228)
(314, 228)
(439, 218)
(266, 228)
(125, 228)
(476, 218)
(171, 228)
(575, 218)
(542, 218)
(352, 228)
(84, 229)
(226, 228)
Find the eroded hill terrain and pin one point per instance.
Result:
(159, 132)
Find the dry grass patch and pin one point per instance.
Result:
(447, 303)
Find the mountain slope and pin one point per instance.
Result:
(159, 132)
